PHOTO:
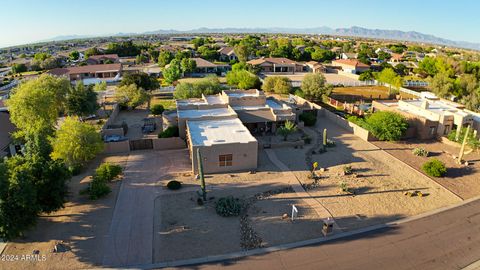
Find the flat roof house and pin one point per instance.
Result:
(222, 125)
(431, 118)
(90, 74)
(276, 65)
(351, 65)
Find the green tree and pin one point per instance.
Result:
(208, 52)
(141, 80)
(277, 84)
(287, 129)
(81, 101)
(387, 126)
(390, 77)
(188, 65)
(209, 85)
(243, 79)
(164, 58)
(125, 48)
(18, 204)
(442, 85)
(74, 55)
(35, 104)
(92, 51)
(173, 72)
(18, 68)
(322, 55)
(131, 95)
(197, 42)
(384, 55)
(141, 59)
(314, 86)
(366, 76)
(76, 142)
(101, 86)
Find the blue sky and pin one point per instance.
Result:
(25, 21)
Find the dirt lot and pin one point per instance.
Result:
(356, 93)
(463, 181)
(379, 187)
(82, 225)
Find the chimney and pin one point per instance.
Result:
(424, 104)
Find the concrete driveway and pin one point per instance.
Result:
(130, 238)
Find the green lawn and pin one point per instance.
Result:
(168, 104)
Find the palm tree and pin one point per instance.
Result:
(287, 129)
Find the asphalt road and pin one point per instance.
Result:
(446, 240)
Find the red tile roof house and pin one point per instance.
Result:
(351, 65)
(90, 74)
(277, 65)
(227, 54)
(102, 58)
(204, 66)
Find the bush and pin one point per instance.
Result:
(387, 126)
(347, 170)
(420, 152)
(228, 206)
(472, 141)
(435, 168)
(299, 93)
(157, 109)
(174, 185)
(97, 189)
(107, 172)
(171, 131)
(308, 118)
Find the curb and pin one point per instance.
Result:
(236, 255)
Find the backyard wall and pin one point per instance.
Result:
(168, 143)
(353, 128)
(112, 131)
(117, 147)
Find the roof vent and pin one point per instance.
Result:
(218, 141)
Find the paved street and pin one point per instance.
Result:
(447, 240)
(131, 233)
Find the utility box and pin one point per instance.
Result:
(327, 226)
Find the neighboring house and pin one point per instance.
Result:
(90, 74)
(431, 117)
(351, 65)
(276, 65)
(315, 67)
(387, 50)
(204, 66)
(227, 54)
(6, 129)
(396, 57)
(221, 126)
(349, 55)
(102, 59)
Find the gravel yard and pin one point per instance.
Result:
(463, 181)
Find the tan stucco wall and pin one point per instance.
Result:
(244, 157)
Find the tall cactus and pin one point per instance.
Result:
(324, 139)
(200, 173)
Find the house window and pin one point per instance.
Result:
(432, 131)
(225, 160)
(447, 130)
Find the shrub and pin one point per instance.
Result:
(344, 187)
(228, 206)
(472, 141)
(347, 170)
(435, 168)
(308, 118)
(157, 109)
(174, 185)
(387, 126)
(171, 131)
(107, 172)
(420, 152)
(98, 188)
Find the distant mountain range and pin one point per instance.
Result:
(354, 31)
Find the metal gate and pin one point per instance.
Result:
(142, 144)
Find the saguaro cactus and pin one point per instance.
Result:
(202, 177)
(324, 139)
